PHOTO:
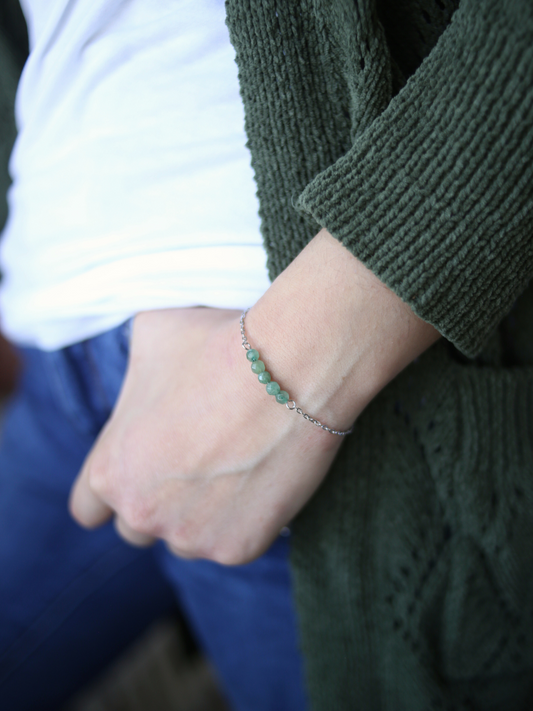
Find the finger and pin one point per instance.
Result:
(141, 540)
(86, 507)
(179, 553)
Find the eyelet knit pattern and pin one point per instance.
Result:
(406, 129)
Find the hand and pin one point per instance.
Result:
(196, 453)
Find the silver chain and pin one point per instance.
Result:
(291, 405)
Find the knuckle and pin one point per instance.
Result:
(229, 555)
(194, 542)
(185, 548)
(99, 477)
(138, 515)
(228, 559)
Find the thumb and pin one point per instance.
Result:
(86, 507)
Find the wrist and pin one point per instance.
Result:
(331, 334)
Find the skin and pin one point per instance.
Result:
(197, 454)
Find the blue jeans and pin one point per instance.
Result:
(71, 600)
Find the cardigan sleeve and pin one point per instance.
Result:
(13, 53)
(436, 195)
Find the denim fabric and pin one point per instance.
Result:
(71, 600)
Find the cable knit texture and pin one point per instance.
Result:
(406, 129)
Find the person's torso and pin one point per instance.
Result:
(132, 187)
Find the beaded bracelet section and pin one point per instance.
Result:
(272, 388)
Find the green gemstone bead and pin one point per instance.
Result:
(273, 388)
(258, 366)
(264, 377)
(282, 397)
(252, 354)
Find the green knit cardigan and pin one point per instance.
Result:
(406, 129)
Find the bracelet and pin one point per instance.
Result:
(272, 388)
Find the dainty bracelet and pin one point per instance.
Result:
(272, 388)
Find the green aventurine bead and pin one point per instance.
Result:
(258, 366)
(264, 377)
(252, 354)
(273, 388)
(282, 397)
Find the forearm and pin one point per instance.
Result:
(332, 334)
(195, 456)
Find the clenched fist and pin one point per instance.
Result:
(196, 453)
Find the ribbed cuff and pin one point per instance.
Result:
(436, 197)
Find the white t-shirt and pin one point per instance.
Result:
(132, 186)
